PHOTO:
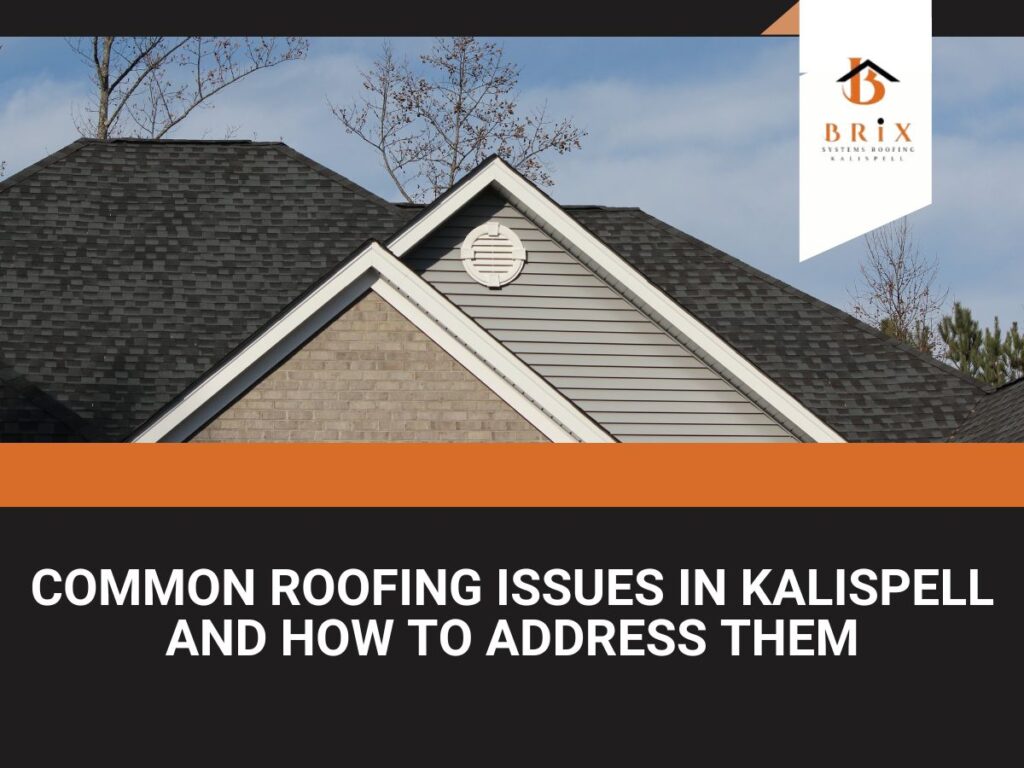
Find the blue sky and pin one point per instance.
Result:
(698, 131)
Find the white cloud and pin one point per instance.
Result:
(36, 120)
(970, 71)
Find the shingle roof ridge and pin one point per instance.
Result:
(1007, 385)
(141, 140)
(294, 154)
(47, 161)
(600, 207)
(334, 176)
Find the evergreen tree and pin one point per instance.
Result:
(1013, 349)
(963, 339)
(985, 355)
(991, 360)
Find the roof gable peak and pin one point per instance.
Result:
(496, 172)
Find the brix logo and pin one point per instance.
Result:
(864, 73)
(864, 85)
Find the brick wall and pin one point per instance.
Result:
(371, 375)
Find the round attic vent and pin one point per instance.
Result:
(493, 255)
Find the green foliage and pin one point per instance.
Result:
(1013, 348)
(985, 355)
(963, 339)
(993, 363)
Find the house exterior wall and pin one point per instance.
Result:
(370, 375)
(588, 341)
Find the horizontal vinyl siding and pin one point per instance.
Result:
(594, 346)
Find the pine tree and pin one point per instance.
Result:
(1013, 349)
(987, 356)
(963, 339)
(991, 360)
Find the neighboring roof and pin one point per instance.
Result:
(128, 269)
(998, 418)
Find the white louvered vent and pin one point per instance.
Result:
(493, 255)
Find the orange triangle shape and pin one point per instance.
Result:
(787, 24)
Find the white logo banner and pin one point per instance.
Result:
(865, 117)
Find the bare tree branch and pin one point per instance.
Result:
(149, 72)
(147, 86)
(433, 122)
(898, 293)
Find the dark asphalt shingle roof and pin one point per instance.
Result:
(128, 269)
(27, 414)
(998, 418)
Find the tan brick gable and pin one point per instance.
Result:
(371, 375)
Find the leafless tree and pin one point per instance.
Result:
(432, 121)
(898, 292)
(146, 86)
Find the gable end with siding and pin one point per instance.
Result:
(595, 346)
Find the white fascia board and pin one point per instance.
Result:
(498, 173)
(376, 269)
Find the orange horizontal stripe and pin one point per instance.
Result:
(511, 475)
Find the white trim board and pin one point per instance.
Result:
(498, 173)
(374, 268)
